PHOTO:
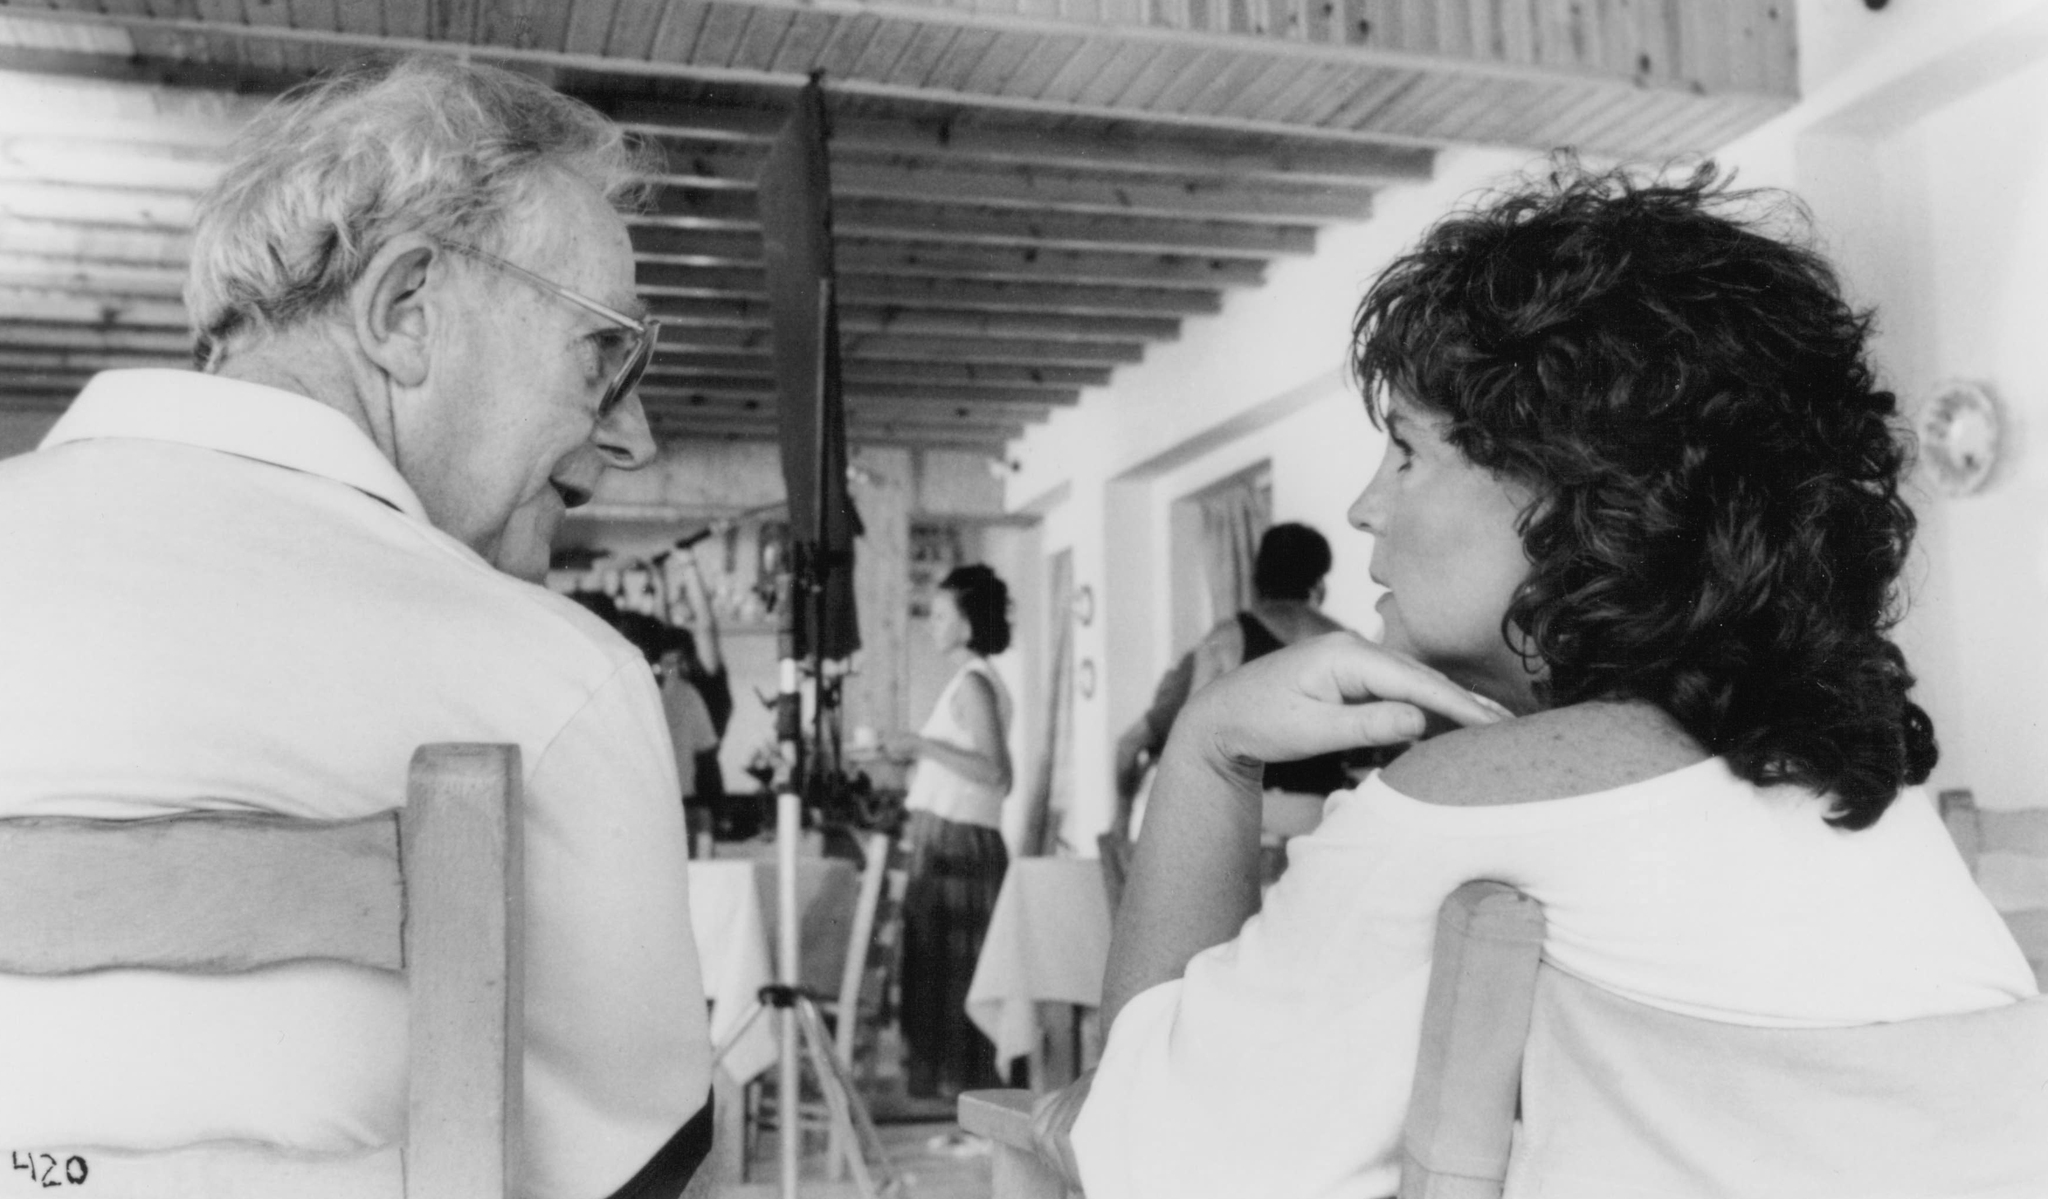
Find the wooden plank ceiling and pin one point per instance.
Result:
(1027, 193)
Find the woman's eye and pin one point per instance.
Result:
(1407, 452)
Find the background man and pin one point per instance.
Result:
(1288, 589)
(415, 308)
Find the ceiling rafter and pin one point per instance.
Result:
(928, 221)
(1023, 202)
(978, 395)
(940, 291)
(866, 256)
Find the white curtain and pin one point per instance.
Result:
(1050, 799)
(1234, 517)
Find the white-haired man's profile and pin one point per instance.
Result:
(418, 343)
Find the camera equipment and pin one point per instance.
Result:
(818, 621)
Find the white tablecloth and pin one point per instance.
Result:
(1047, 943)
(732, 912)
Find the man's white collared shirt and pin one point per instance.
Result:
(221, 595)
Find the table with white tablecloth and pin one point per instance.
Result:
(732, 911)
(1048, 940)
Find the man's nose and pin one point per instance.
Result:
(623, 436)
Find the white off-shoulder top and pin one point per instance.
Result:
(1280, 1064)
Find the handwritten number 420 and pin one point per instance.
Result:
(43, 1168)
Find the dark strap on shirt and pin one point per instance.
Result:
(1258, 639)
(674, 1164)
(1319, 775)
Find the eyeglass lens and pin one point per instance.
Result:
(636, 366)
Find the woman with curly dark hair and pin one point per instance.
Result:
(1642, 492)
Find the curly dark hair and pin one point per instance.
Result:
(1718, 528)
(984, 600)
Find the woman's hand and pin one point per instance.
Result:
(1329, 693)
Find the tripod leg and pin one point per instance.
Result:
(835, 1098)
(833, 1079)
(739, 1030)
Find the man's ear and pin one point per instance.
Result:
(389, 306)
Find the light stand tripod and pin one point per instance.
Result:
(801, 767)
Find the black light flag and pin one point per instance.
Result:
(795, 198)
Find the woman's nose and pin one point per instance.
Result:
(1368, 512)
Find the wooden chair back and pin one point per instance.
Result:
(1016, 1169)
(1623, 1098)
(876, 918)
(1674, 1105)
(2007, 852)
(433, 889)
(1468, 1070)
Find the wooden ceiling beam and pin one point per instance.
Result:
(1140, 146)
(1044, 189)
(857, 256)
(153, 262)
(925, 393)
(903, 38)
(656, 280)
(942, 416)
(1006, 296)
(23, 360)
(686, 365)
(196, 107)
(85, 242)
(722, 429)
(937, 222)
(124, 163)
(166, 211)
(147, 285)
(680, 312)
(1019, 351)
(67, 372)
(995, 424)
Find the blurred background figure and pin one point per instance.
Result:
(1288, 591)
(696, 693)
(957, 859)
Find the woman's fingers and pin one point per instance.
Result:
(1331, 693)
(1360, 670)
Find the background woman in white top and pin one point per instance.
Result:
(1643, 492)
(954, 835)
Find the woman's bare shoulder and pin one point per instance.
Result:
(1547, 755)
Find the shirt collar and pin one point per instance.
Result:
(234, 417)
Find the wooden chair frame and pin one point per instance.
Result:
(433, 889)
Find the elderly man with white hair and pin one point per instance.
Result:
(259, 585)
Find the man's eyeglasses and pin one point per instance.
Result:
(627, 375)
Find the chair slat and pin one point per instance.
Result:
(207, 892)
(1016, 1170)
(1482, 985)
(460, 842)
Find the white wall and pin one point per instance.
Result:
(1922, 148)
(1933, 184)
